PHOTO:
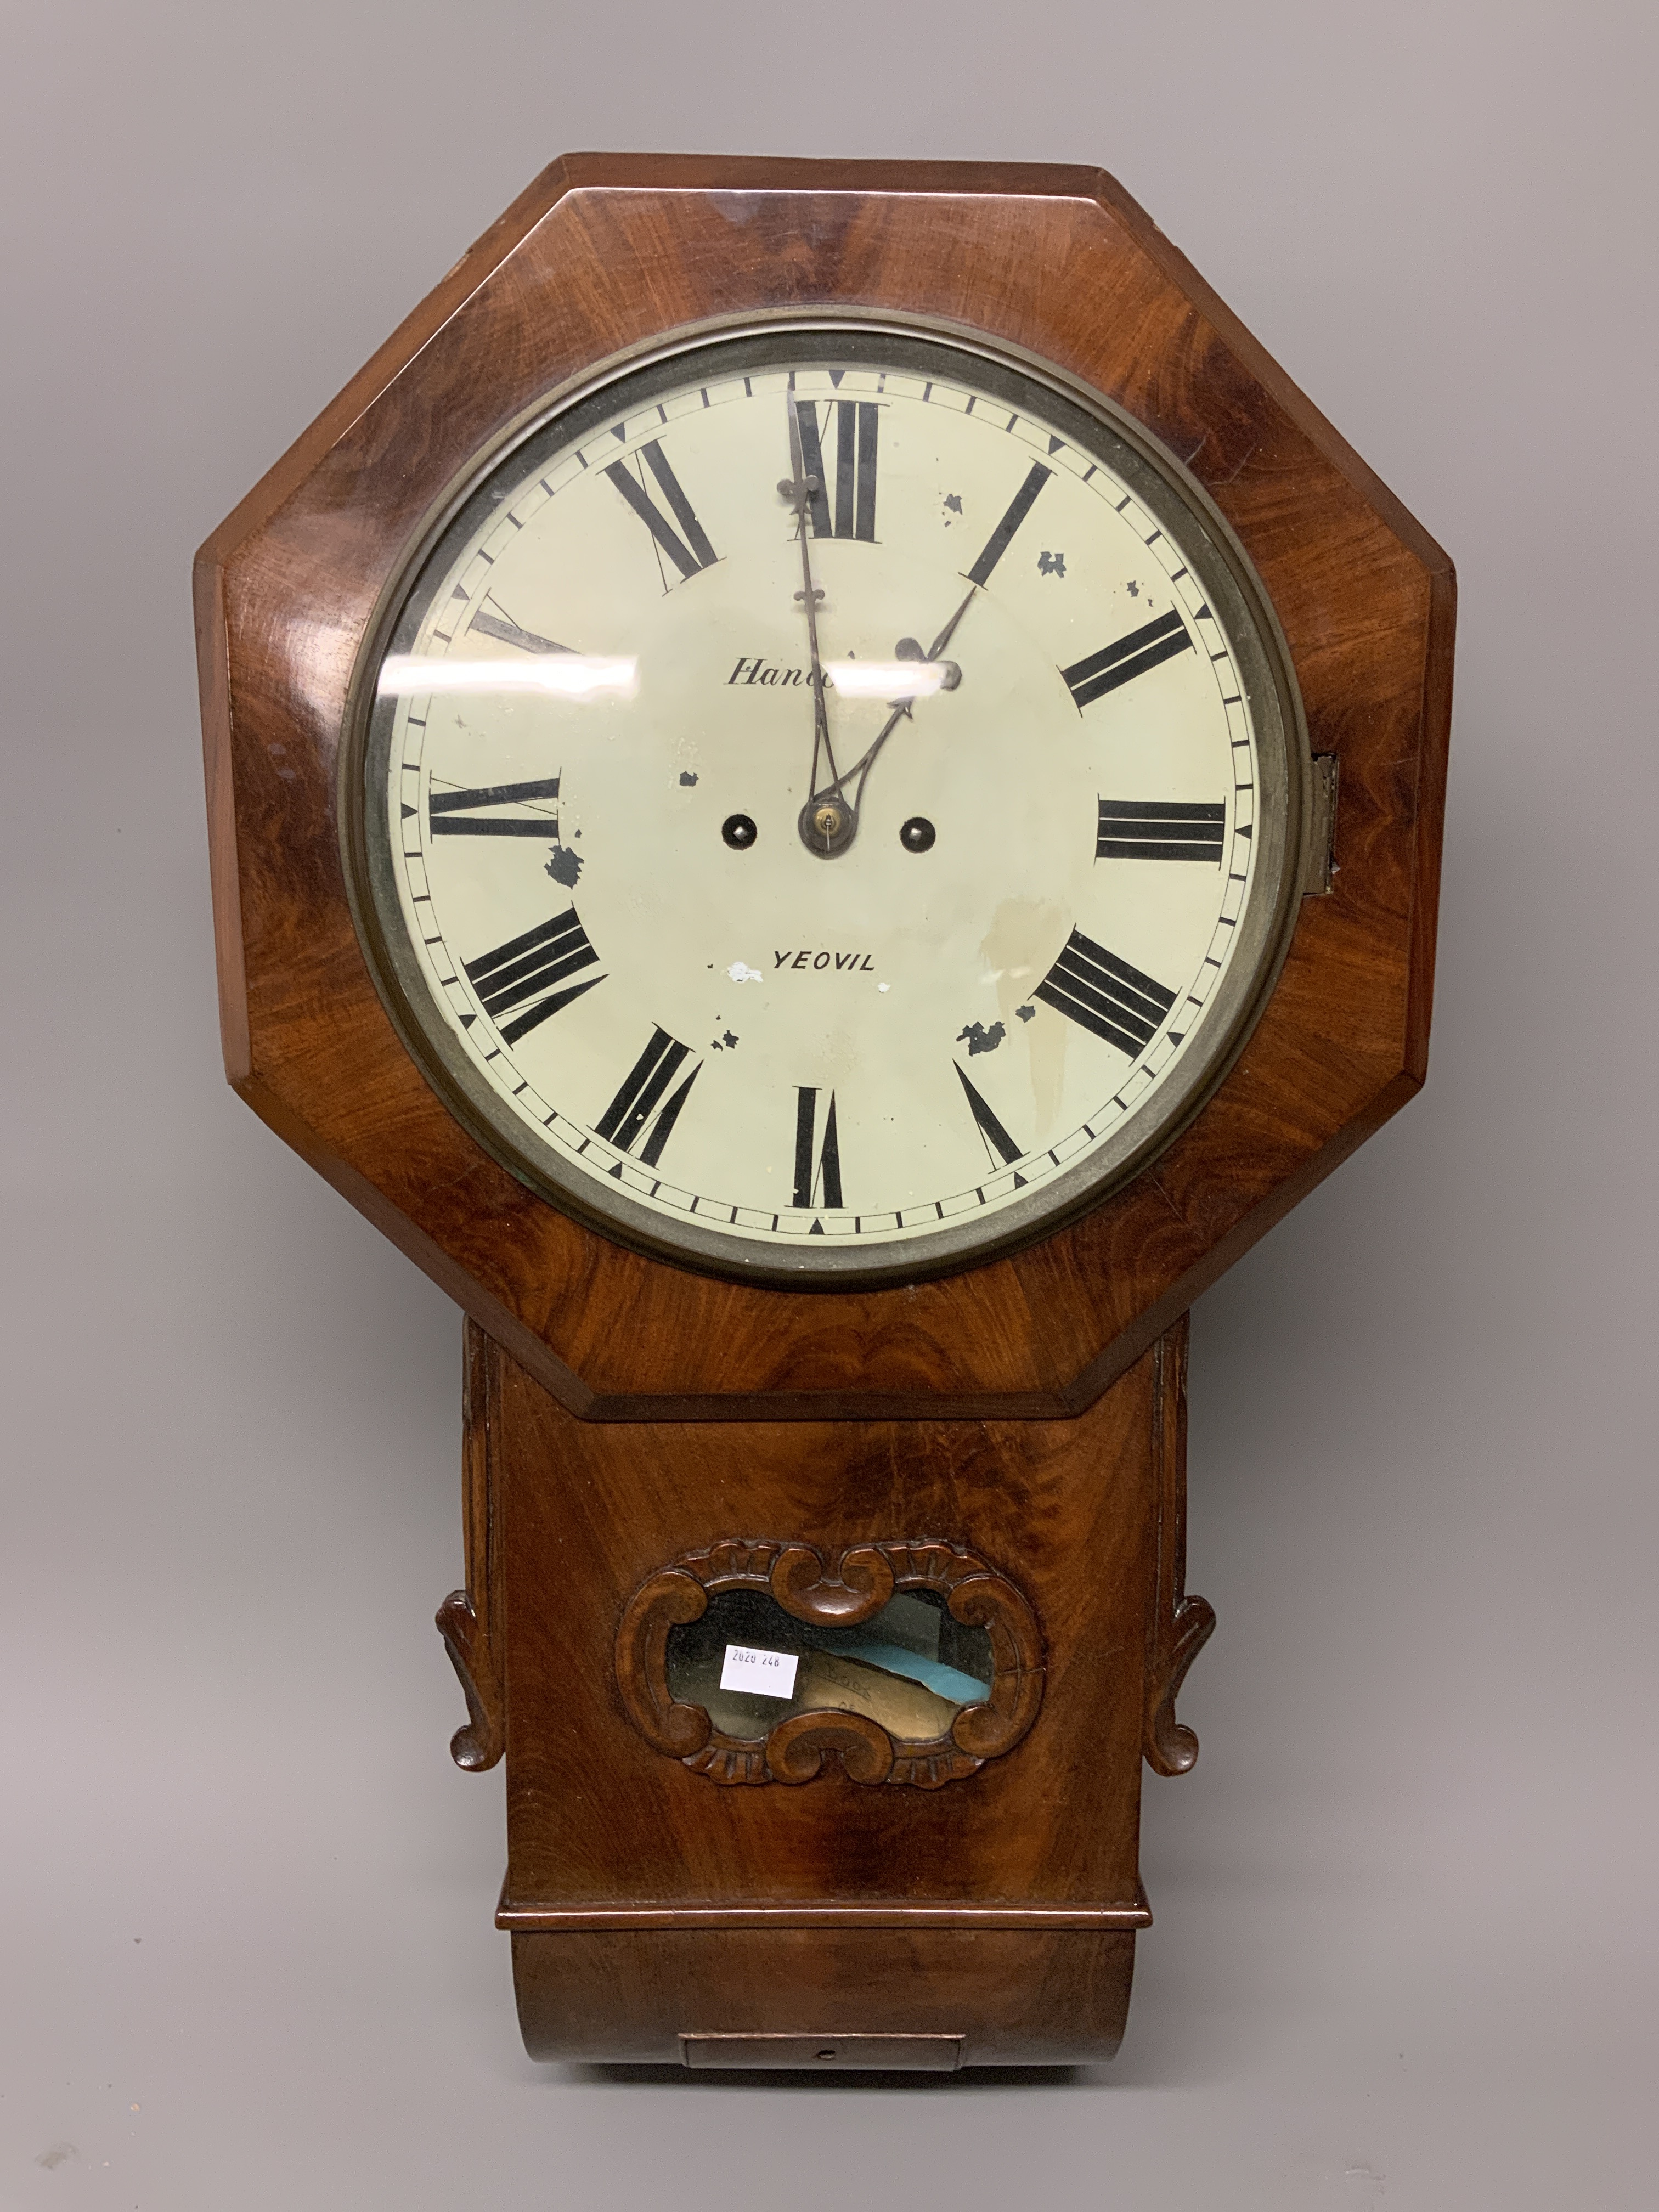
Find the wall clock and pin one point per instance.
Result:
(825, 792)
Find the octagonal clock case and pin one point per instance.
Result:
(824, 790)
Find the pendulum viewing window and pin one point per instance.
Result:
(911, 1667)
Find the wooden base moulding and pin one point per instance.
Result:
(995, 1905)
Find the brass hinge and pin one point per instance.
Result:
(1322, 842)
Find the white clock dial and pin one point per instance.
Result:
(829, 804)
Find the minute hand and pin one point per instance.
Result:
(861, 766)
(797, 492)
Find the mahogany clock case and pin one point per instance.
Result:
(1008, 1438)
(604, 257)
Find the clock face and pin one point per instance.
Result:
(827, 804)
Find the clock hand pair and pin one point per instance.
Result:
(902, 707)
(829, 819)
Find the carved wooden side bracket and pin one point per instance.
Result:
(469, 1620)
(1180, 1625)
(841, 1594)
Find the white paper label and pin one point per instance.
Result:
(766, 1674)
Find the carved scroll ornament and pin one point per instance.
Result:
(843, 1593)
(1179, 1625)
(468, 1620)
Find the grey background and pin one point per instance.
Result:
(1405, 1953)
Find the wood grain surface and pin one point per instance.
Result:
(606, 254)
(1013, 1999)
(619, 1851)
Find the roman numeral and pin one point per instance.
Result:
(1090, 985)
(526, 971)
(999, 539)
(453, 813)
(1159, 829)
(508, 633)
(823, 1173)
(996, 1138)
(856, 424)
(639, 1106)
(694, 551)
(1091, 679)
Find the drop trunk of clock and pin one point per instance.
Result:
(939, 1850)
(824, 1593)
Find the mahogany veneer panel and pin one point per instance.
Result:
(1014, 1999)
(648, 1900)
(603, 253)
(587, 1511)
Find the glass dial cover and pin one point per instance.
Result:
(826, 803)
